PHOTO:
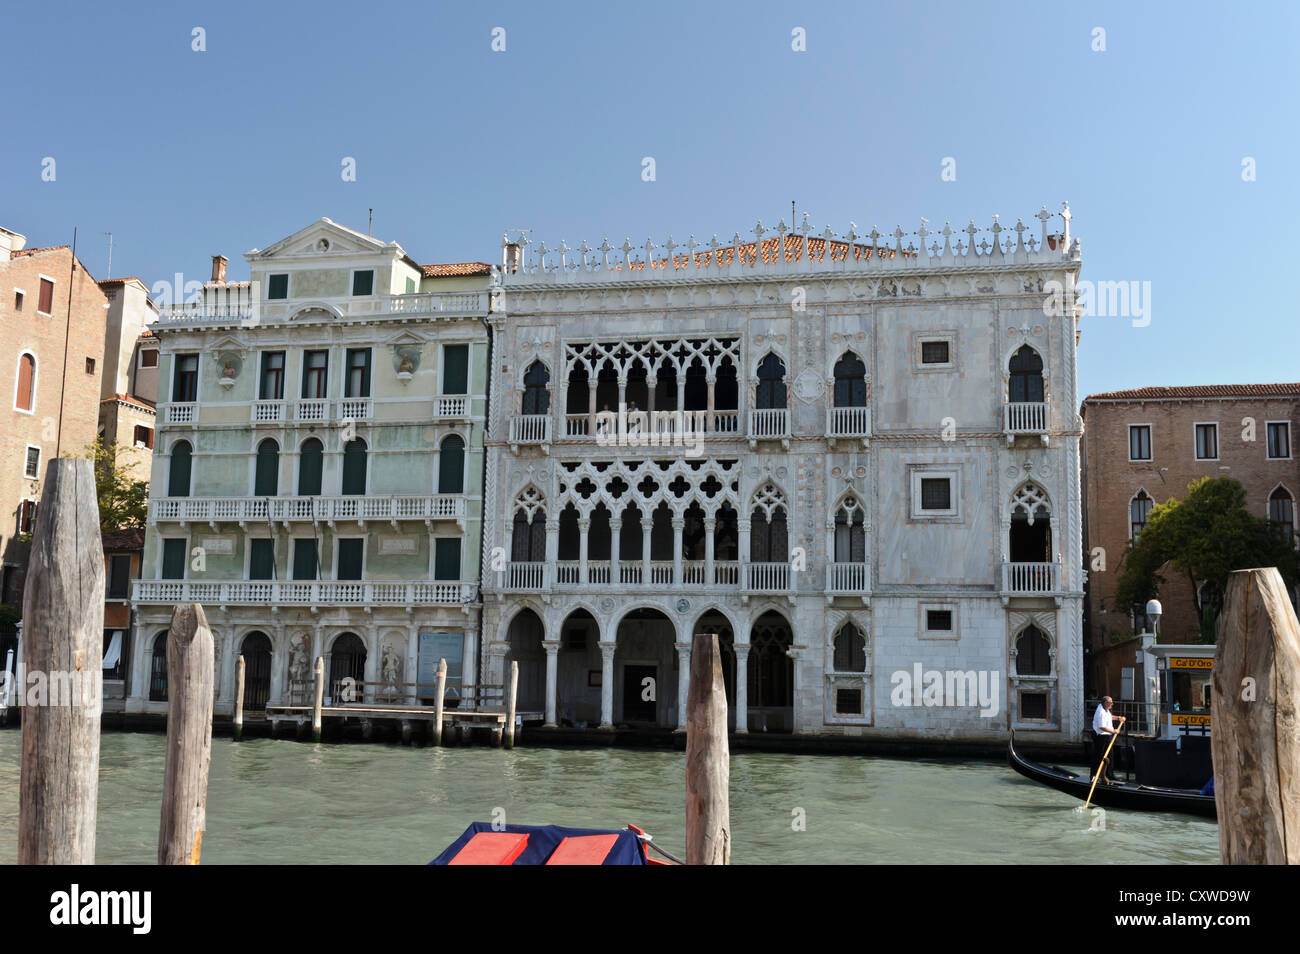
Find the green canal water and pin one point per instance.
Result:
(287, 802)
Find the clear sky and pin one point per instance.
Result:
(184, 154)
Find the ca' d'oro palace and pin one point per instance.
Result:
(848, 455)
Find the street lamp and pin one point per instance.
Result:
(1154, 611)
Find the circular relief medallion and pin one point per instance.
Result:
(683, 606)
(607, 605)
(1038, 329)
(835, 471)
(862, 471)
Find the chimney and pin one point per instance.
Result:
(512, 256)
(219, 263)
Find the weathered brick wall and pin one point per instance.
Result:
(1111, 481)
(44, 336)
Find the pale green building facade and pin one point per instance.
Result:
(318, 472)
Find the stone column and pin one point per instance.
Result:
(607, 684)
(552, 546)
(796, 654)
(709, 524)
(709, 425)
(742, 686)
(678, 524)
(647, 526)
(742, 548)
(583, 526)
(683, 682)
(591, 407)
(615, 527)
(552, 648)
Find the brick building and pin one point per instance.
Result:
(129, 383)
(1145, 445)
(51, 352)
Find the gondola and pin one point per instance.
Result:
(1142, 798)
(485, 843)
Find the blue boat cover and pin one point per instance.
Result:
(544, 839)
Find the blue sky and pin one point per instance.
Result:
(184, 154)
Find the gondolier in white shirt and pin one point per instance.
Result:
(1103, 727)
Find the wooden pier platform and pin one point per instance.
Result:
(406, 716)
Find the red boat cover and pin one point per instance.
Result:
(543, 844)
(491, 848)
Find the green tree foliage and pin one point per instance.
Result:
(1205, 537)
(123, 502)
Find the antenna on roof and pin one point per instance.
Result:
(109, 273)
(370, 226)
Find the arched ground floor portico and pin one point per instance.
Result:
(388, 654)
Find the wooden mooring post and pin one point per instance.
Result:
(63, 630)
(708, 759)
(441, 690)
(239, 699)
(512, 691)
(189, 736)
(320, 694)
(1255, 722)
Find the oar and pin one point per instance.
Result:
(1101, 766)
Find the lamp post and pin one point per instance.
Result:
(1154, 612)
(1151, 666)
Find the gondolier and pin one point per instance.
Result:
(1103, 727)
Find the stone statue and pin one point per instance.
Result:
(392, 665)
(300, 661)
(407, 366)
(229, 370)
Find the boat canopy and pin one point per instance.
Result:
(486, 844)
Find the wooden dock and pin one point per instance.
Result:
(405, 706)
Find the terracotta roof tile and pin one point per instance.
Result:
(23, 252)
(119, 281)
(127, 399)
(124, 539)
(450, 269)
(1198, 391)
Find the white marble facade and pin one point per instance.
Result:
(875, 473)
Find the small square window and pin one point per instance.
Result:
(18, 299)
(143, 436)
(27, 516)
(1207, 441)
(32, 468)
(363, 282)
(938, 620)
(936, 493)
(277, 286)
(90, 365)
(848, 702)
(934, 352)
(410, 286)
(1033, 705)
(149, 359)
(1139, 442)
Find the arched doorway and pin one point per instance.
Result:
(158, 669)
(256, 650)
(347, 660)
(577, 679)
(645, 670)
(714, 622)
(525, 638)
(771, 674)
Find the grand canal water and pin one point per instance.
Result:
(298, 803)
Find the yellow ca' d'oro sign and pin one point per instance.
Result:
(1188, 718)
(1191, 662)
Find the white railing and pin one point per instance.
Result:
(1025, 417)
(451, 406)
(848, 421)
(576, 425)
(304, 593)
(568, 571)
(312, 409)
(267, 412)
(355, 409)
(1030, 577)
(526, 576)
(661, 572)
(199, 509)
(223, 303)
(726, 422)
(847, 578)
(597, 572)
(530, 429)
(629, 572)
(726, 573)
(182, 413)
(693, 571)
(769, 577)
(769, 423)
